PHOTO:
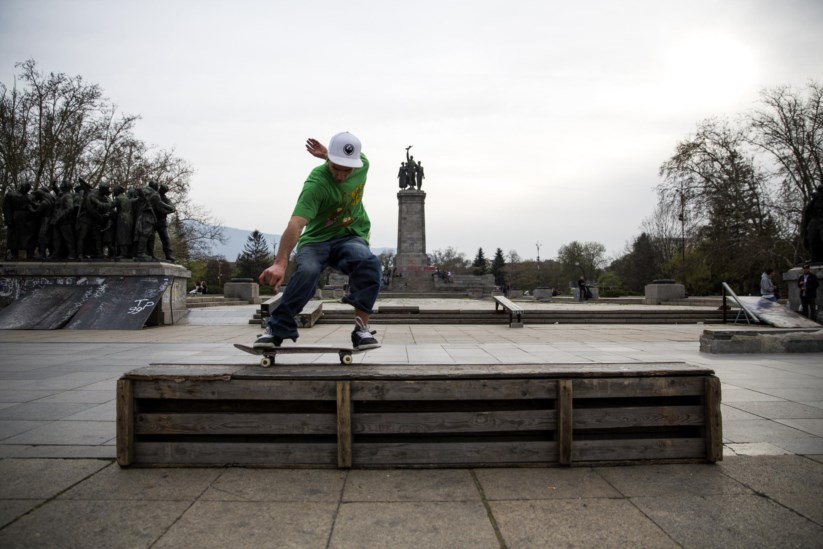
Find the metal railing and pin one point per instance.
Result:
(742, 309)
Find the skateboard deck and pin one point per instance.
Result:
(269, 354)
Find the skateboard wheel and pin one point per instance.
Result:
(265, 362)
(345, 358)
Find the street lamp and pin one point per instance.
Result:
(682, 218)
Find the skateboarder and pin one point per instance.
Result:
(330, 209)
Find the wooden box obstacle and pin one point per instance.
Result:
(371, 416)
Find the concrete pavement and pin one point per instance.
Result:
(60, 486)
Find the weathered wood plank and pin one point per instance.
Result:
(411, 372)
(563, 406)
(310, 314)
(638, 416)
(453, 422)
(453, 453)
(238, 389)
(184, 371)
(344, 424)
(206, 453)
(639, 449)
(457, 389)
(125, 422)
(235, 424)
(638, 387)
(714, 420)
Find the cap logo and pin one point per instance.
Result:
(348, 149)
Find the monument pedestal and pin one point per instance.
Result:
(91, 295)
(790, 278)
(412, 271)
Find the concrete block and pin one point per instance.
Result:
(658, 293)
(247, 291)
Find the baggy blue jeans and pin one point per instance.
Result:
(349, 255)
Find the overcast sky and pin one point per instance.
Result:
(535, 120)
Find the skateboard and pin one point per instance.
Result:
(269, 354)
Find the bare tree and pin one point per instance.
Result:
(56, 127)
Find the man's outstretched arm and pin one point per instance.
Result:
(273, 275)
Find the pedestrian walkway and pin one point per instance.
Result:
(61, 487)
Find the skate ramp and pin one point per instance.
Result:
(773, 313)
(43, 308)
(114, 303)
(120, 304)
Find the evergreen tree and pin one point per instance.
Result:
(255, 257)
(479, 266)
(498, 268)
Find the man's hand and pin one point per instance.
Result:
(272, 276)
(316, 148)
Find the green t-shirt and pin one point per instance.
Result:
(334, 210)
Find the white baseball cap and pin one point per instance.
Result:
(344, 150)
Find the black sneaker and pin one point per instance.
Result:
(267, 340)
(361, 339)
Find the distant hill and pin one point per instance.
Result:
(237, 238)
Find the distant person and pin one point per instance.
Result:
(204, 288)
(808, 284)
(767, 287)
(330, 209)
(581, 288)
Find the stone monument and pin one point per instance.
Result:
(412, 270)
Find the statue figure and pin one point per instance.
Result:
(812, 226)
(144, 223)
(420, 175)
(162, 208)
(93, 220)
(18, 219)
(62, 221)
(411, 169)
(123, 222)
(41, 209)
(401, 176)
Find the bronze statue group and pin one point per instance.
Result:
(79, 222)
(411, 172)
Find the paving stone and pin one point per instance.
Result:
(63, 523)
(8, 395)
(298, 485)
(808, 504)
(758, 430)
(11, 509)
(43, 410)
(43, 478)
(10, 428)
(773, 474)
(802, 446)
(729, 521)
(253, 525)
(729, 412)
(586, 523)
(413, 525)
(102, 412)
(780, 410)
(101, 451)
(91, 397)
(756, 449)
(411, 485)
(543, 483)
(810, 426)
(115, 483)
(67, 433)
(663, 480)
